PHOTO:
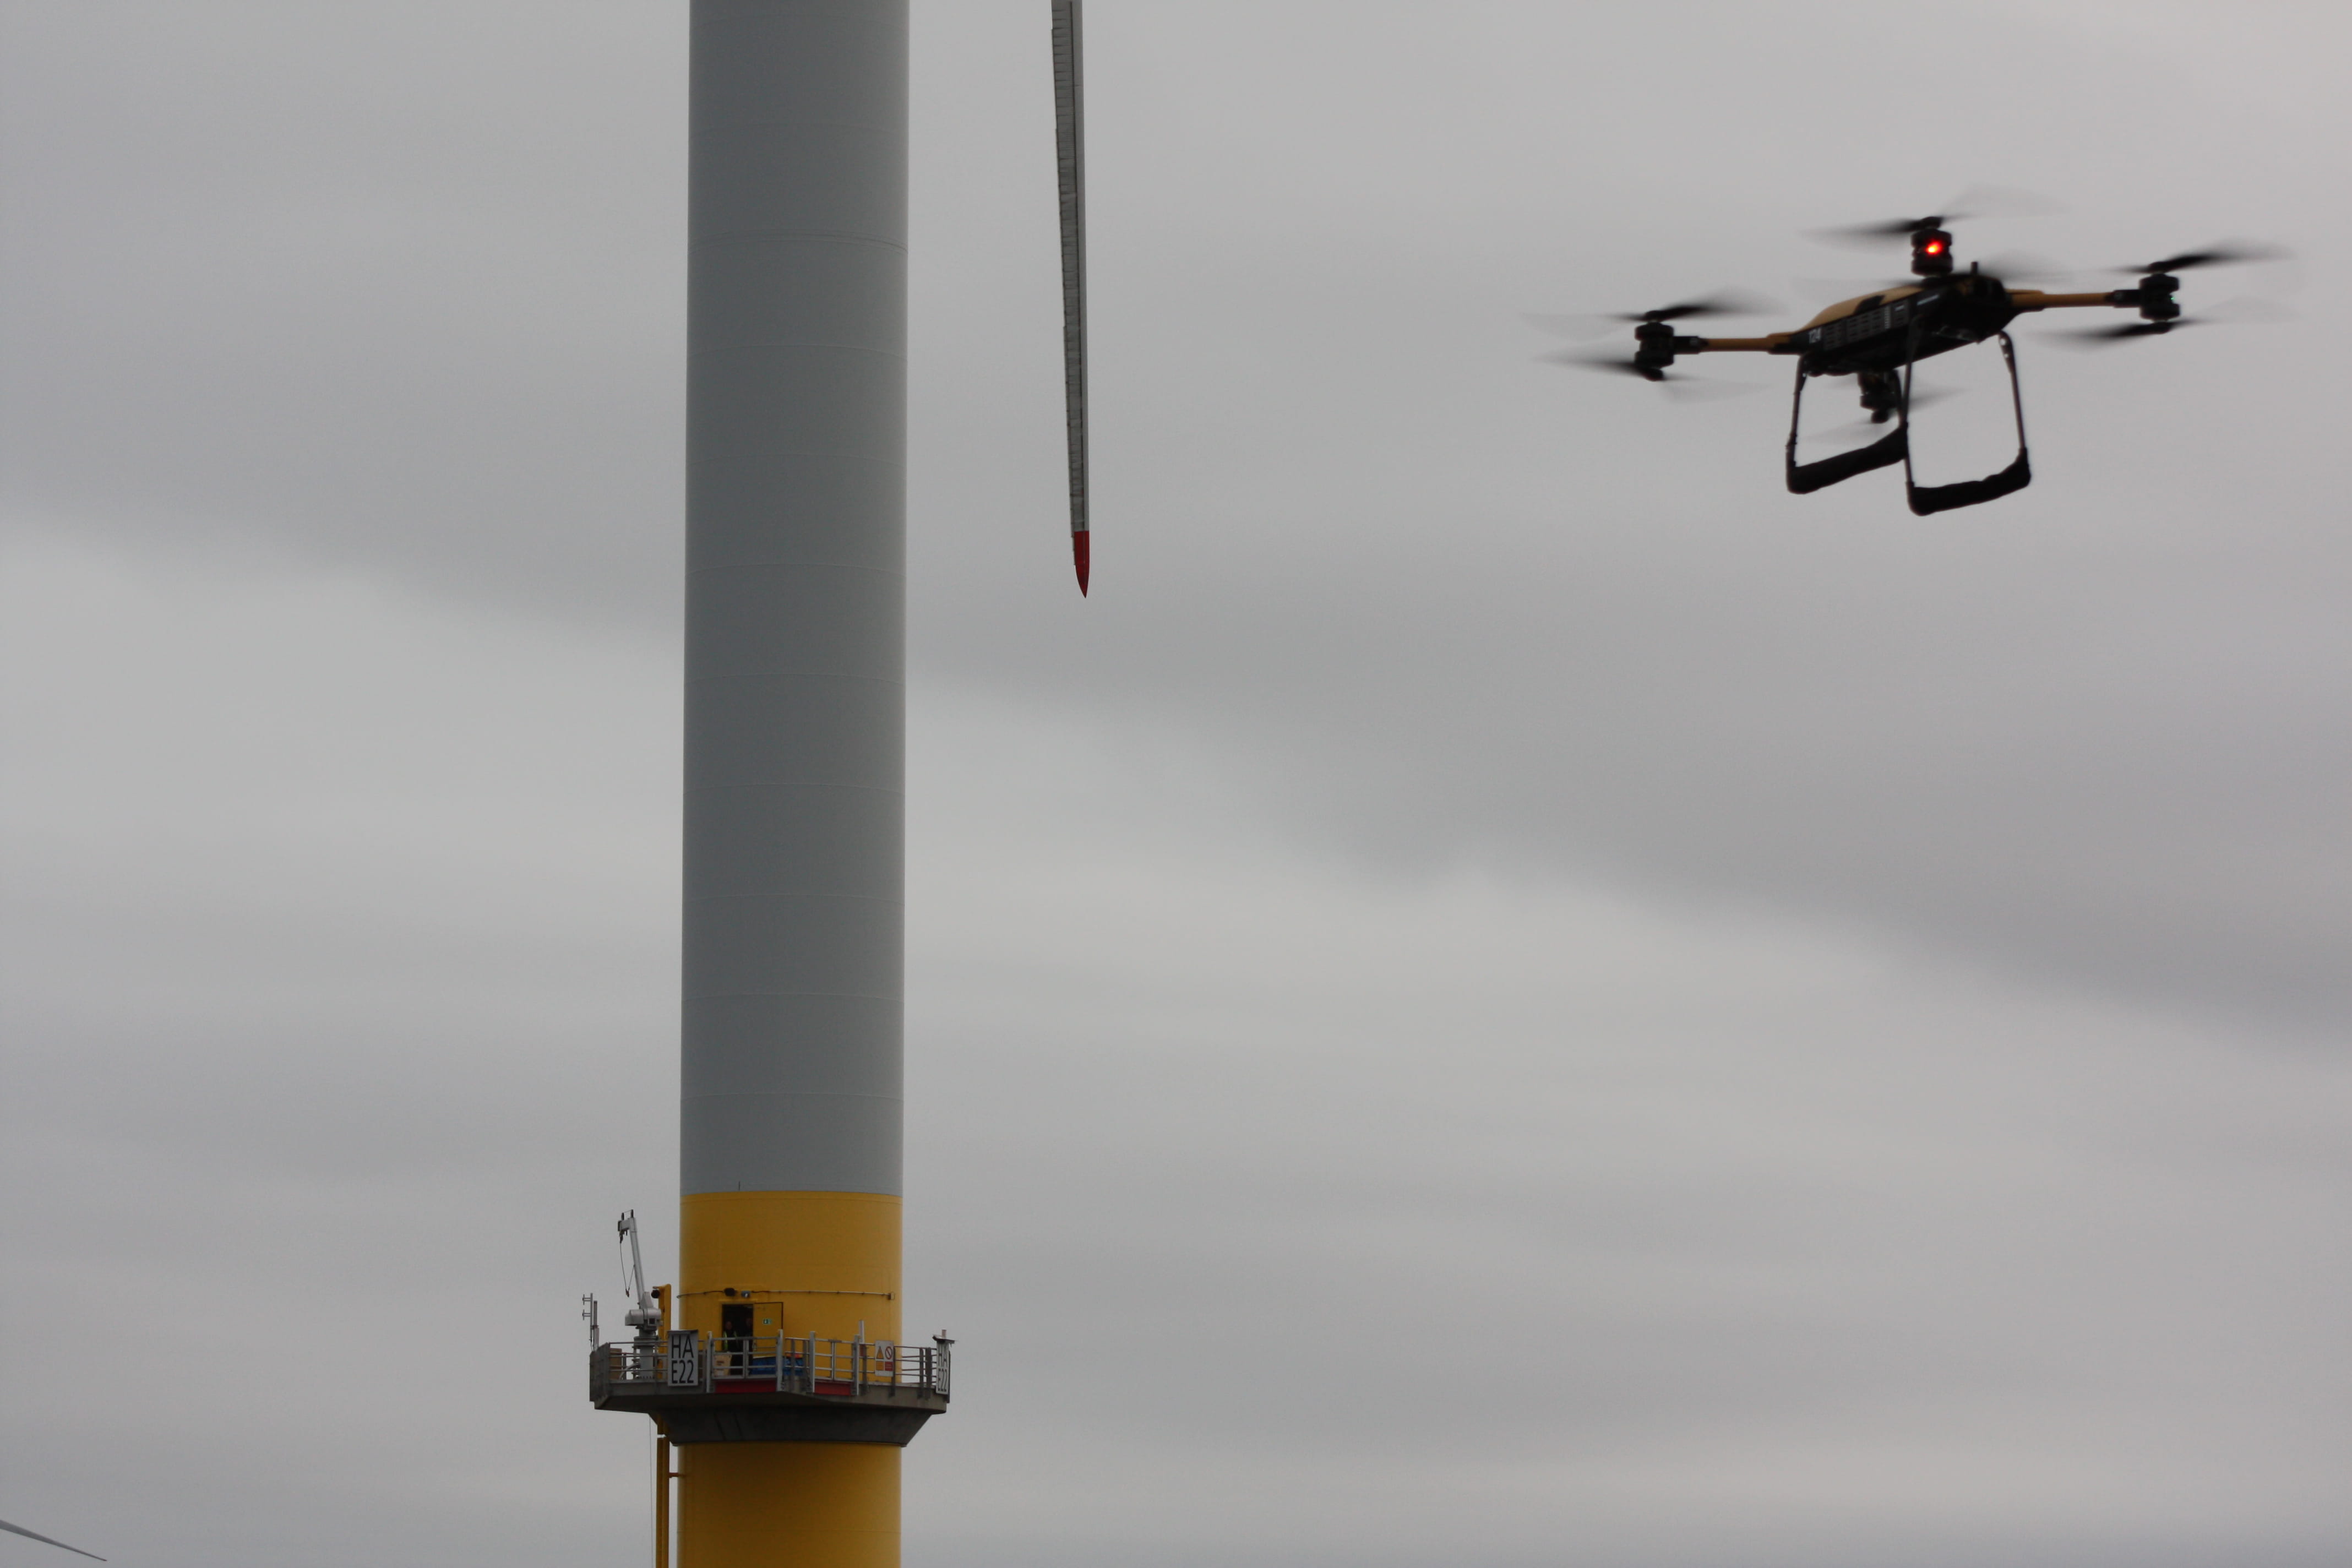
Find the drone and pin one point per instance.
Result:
(1878, 337)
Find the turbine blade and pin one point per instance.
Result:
(1070, 146)
(20, 1529)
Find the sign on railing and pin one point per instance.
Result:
(684, 1358)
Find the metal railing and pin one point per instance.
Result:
(692, 1362)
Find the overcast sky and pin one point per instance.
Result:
(1505, 994)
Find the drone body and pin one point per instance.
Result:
(1877, 339)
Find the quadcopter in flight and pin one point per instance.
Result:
(1877, 337)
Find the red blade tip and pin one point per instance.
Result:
(1080, 554)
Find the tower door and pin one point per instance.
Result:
(735, 1323)
(734, 1348)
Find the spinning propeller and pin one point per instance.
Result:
(1893, 228)
(2228, 312)
(1654, 340)
(2219, 256)
(2160, 313)
(1726, 302)
(1691, 388)
(1976, 202)
(1931, 237)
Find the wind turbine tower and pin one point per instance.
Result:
(775, 1368)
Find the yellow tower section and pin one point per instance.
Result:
(810, 1263)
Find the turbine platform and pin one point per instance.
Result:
(778, 1389)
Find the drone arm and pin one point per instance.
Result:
(1775, 344)
(2035, 299)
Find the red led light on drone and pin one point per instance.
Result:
(1933, 247)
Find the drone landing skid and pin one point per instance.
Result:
(1804, 479)
(1928, 498)
(1895, 448)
